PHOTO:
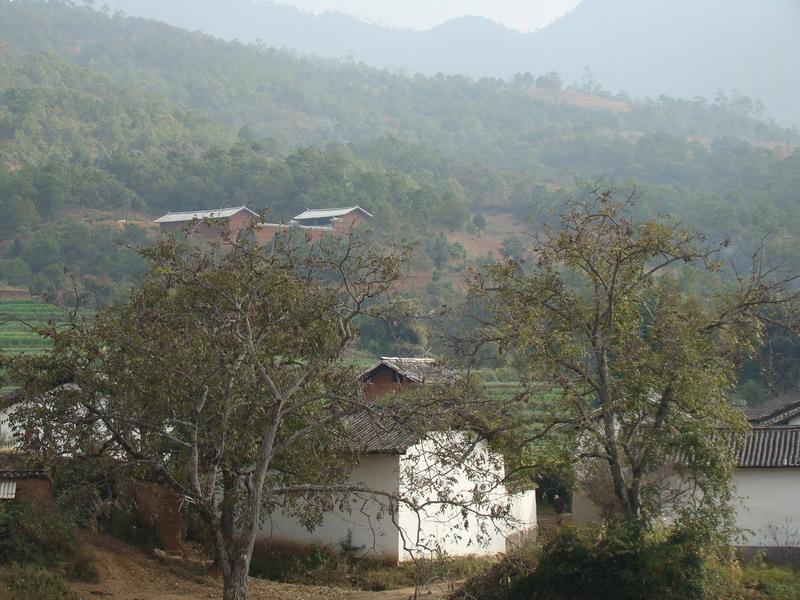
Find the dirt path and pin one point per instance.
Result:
(125, 573)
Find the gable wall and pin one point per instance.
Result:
(444, 526)
(354, 219)
(383, 381)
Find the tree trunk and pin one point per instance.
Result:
(235, 578)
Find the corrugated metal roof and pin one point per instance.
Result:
(769, 447)
(199, 215)
(375, 433)
(777, 411)
(8, 490)
(328, 213)
(418, 370)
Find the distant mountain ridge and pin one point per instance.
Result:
(682, 48)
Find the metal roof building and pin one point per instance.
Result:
(199, 215)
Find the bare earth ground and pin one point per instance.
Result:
(127, 573)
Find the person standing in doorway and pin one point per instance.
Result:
(559, 507)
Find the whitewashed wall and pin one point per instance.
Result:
(447, 528)
(5, 429)
(378, 536)
(381, 536)
(768, 506)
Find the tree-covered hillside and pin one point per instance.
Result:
(108, 121)
(277, 94)
(677, 47)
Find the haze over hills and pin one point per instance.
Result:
(108, 121)
(682, 48)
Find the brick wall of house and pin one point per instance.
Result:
(239, 221)
(267, 232)
(35, 491)
(212, 231)
(353, 220)
(159, 509)
(381, 382)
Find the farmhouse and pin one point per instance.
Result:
(316, 222)
(22, 481)
(393, 374)
(766, 480)
(340, 219)
(392, 459)
(210, 224)
(216, 223)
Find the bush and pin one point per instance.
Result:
(623, 561)
(27, 581)
(40, 536)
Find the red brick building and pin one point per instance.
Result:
(209, 224)
(317, 222)
(393, 374)
(338, 219)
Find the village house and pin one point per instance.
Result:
(390, 458)
(209, 224)
(340, 219)
(216, 223)
(766, 480)
(316, 222)
(767, 477)
(393, 374)
(22, 481)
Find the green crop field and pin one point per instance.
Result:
(17, 318)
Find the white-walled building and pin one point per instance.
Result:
(766, 480)
(420, 469)
(377, 526)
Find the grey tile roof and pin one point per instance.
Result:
(374, 433)
(18, 474)
(777, 411)
(417, 370)
(15, 466)
(329, 213)
(199, 215)
(769, 447)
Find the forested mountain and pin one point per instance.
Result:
(682, 48)
(106, 121)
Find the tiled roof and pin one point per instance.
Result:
(328, 213)
(374, 433)
(15, 466)
(199, 215)
(418, 370)
(777, 411)
(769, 447)
(18, 474)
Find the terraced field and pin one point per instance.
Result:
(17, 317)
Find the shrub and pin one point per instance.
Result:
(623, 561)
(28, 581)
(40, 536)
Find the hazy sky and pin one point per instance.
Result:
(524, 15)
